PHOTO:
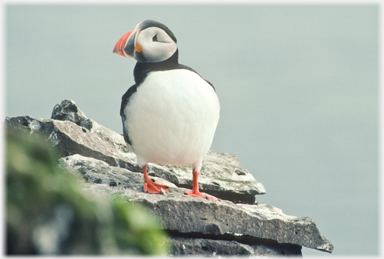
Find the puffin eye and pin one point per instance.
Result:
(154, 38)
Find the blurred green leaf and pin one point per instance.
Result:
(47, 211)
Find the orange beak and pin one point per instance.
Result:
(123, 48)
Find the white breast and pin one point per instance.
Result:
(172, 118)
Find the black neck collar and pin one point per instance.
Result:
(142, 69)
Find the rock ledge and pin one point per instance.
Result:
(235, 226)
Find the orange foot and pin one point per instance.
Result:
(200, 195)
(150, 186)
(154, 188)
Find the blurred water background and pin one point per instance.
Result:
(298, 86)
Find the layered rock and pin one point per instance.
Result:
(234, 226)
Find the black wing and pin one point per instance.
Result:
(124, 101)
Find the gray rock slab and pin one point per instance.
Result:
(225, 218)
(182, 246)
(208, 247)
(221, 176)
(99, 143)
(99, 172)
(188, 215)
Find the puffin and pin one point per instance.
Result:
(171, 113)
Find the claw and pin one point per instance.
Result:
(154, 188)
(200, 195)
(151, 187)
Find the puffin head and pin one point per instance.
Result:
(150, 41)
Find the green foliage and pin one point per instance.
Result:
(47, 211)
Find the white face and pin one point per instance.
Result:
(156, 45)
